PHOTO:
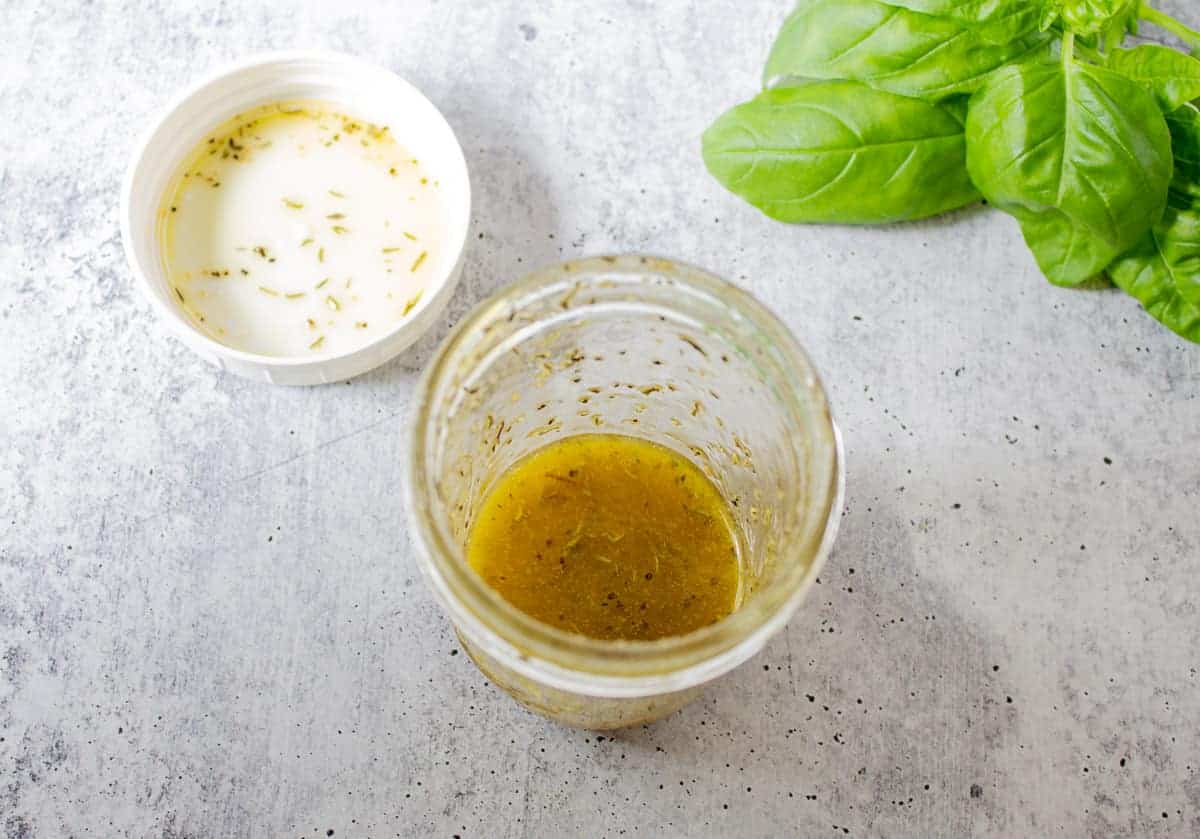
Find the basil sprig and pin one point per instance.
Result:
(890, 110)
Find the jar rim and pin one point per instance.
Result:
(574, 662)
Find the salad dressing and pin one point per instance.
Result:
(611, 537)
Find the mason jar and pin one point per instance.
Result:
(650, 348)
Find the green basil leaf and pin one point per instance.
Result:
(1172, 76)
(1066, 249)
(995, 21)
(1177, 237)
(841, 152)
(1081, 156)
(890, 48)
(1184, 125)
(1163, 272)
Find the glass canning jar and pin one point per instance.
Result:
(646, 347)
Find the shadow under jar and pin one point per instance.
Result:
(648, 348)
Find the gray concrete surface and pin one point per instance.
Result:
(210, 619)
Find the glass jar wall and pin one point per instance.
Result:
(649, 348)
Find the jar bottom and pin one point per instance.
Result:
(594, 713)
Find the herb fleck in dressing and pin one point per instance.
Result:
(282, 199)
(611, 537)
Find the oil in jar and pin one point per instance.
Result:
(609, 536)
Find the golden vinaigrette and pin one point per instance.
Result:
(610, 537)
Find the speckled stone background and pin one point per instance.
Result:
(210, 619)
